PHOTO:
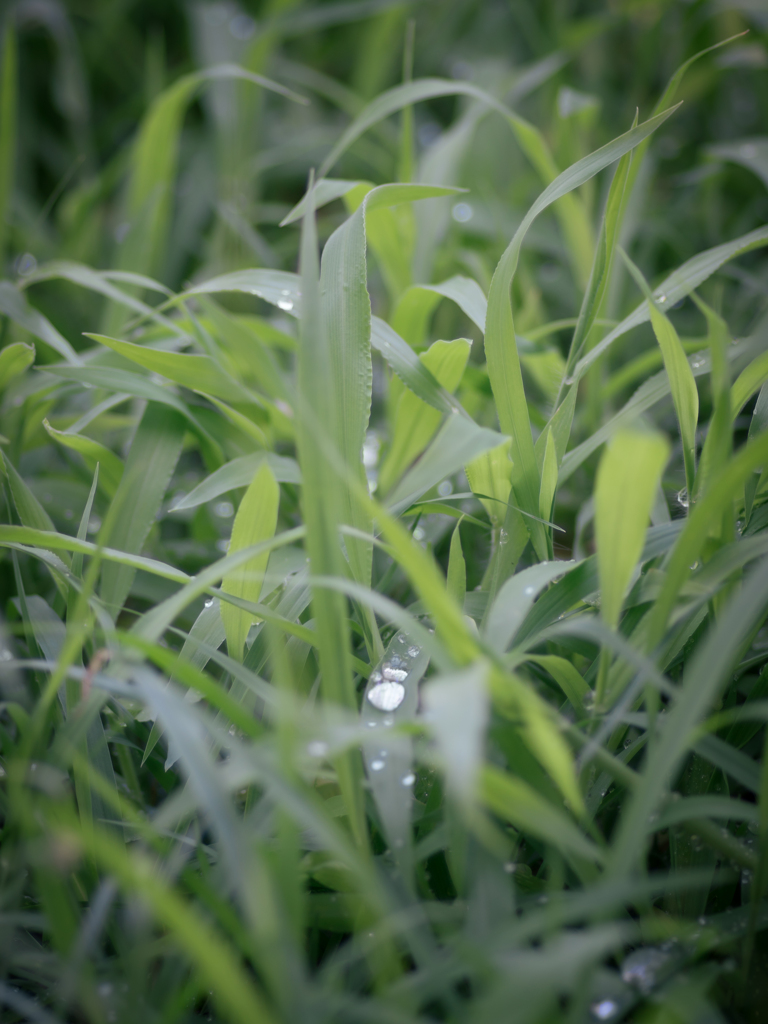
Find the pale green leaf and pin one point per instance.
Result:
(415, 422)
(626, 483)
(14, 360)
(255, 521)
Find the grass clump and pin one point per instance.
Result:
(384, 580)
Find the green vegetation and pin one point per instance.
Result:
(384, 538)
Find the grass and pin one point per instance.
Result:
(383, 558)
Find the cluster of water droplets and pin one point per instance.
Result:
(642, 968)
(388, 691)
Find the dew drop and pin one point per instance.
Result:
(445, 488)
(376, 766)
(682, 498)
(209, 602)
(285, 304)
(642, 967)
(661, 299)
(604, 1009)
(413, 652)
(387, 695)
(503, 537)
(409, 779)
(529, 591)
(418, 534)
(462, 212)
(394, 675)
(26, 264)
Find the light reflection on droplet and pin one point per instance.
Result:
(376, 766)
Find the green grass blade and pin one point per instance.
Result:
(238, 472)
(255, 521)
(153, 168)
(210, 951)
(198, 373)
(457, 567)
(682, 383)
(576, 226)
(719, 440)
(458, 443)
(720, 498)
(676, 286)
(415, 422)
(151, 461)
(601, 267)
(283, 290)
(500, 345)
(514, 801)
(625, 488)
(14, 360)
(8, 104)
(94, 454)
(323, 508)
(515, 600)
(14, 305)
(703, 681)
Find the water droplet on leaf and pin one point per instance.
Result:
(604, 1009)
(387, 695)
